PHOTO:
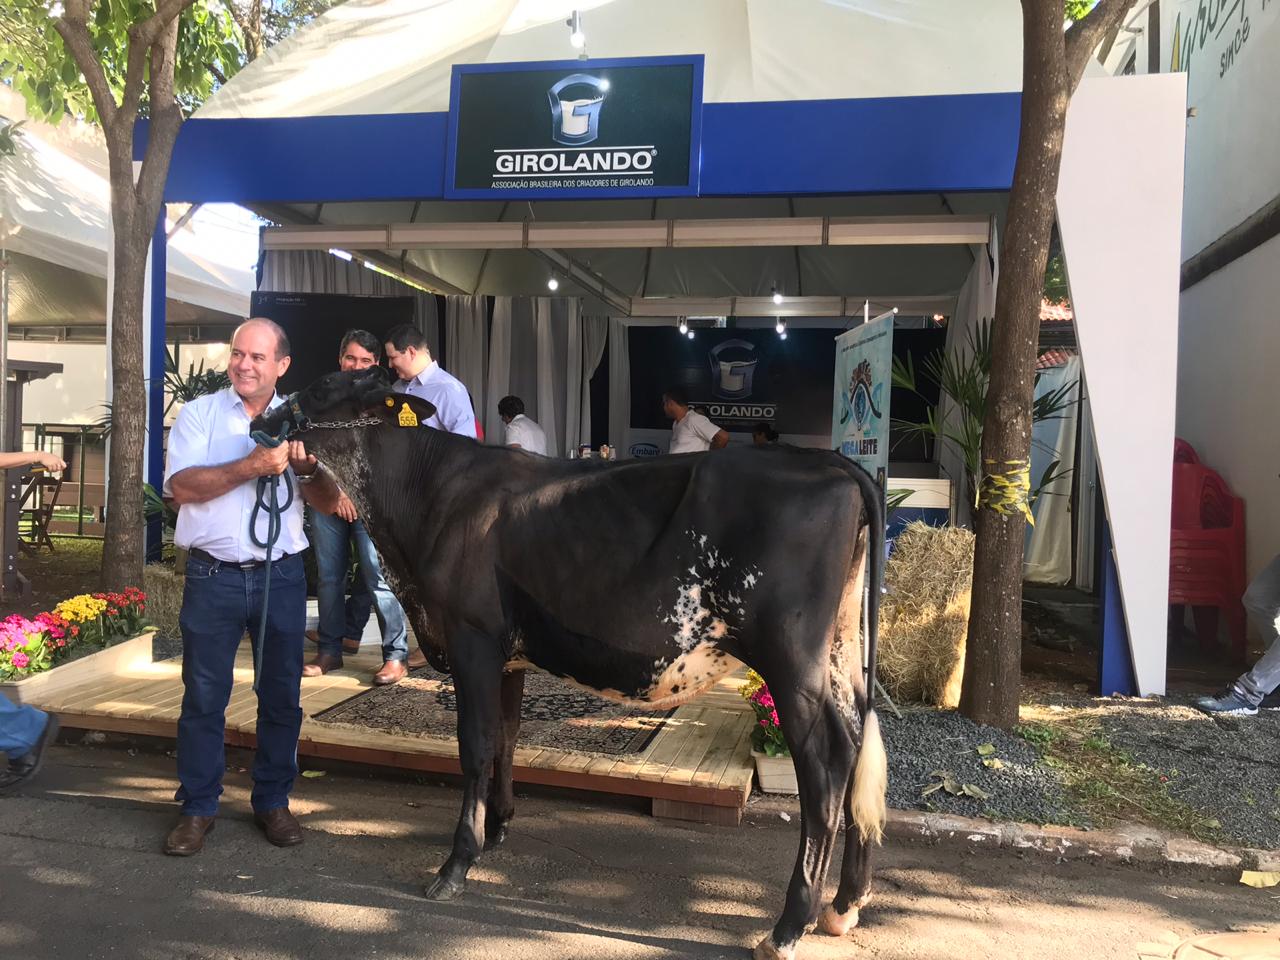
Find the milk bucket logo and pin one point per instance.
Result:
(733, 370)
(575, 120)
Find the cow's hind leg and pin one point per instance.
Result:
(477, 680)
(502, 800)
(863, 816)
(822, 749)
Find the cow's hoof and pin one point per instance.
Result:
(837, 924)
(495, 837)
(767, 950)
(442, 889)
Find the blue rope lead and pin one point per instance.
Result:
(268, 499)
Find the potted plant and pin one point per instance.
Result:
(774, 769)
(83, 636)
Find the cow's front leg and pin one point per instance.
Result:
(502, 799)
(477, 680)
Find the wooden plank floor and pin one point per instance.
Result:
(697, 767)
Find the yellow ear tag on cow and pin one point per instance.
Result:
(407, 417)
(389, 402)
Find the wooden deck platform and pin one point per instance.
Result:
(697, 767)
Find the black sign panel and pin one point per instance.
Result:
(316, 323)
(575, 129)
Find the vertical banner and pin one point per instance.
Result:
(860, 417)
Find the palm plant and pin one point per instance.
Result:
(964, 381)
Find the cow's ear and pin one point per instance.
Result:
(405, 410)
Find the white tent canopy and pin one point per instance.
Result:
(54, 223)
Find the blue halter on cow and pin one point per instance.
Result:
(643, 581)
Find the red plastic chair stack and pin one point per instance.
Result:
(1206, 559)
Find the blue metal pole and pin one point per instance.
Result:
(155, 385)
(1115, 659)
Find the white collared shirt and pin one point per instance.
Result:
(693, 434)
(447, 394)
(213, 430)
(526, 434)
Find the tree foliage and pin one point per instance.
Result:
(264, 23)
(36, 62)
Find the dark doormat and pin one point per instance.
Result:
(554, 714)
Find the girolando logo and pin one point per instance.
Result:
(863, 397)
(733, 367)
(575, 119)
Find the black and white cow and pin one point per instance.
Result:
(643, 581)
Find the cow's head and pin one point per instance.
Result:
(330, 415)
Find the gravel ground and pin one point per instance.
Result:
(1225, 767)
(1019, 788)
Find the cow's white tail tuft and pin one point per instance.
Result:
(870, 782)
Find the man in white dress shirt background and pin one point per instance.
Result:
(691, 432)
(521, 431)
(211, 473)
(410, 360)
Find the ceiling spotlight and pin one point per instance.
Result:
(552, 283)
(683, 325)
(782, 335)
(781, 327)
(576, 36)
(340, 254)
(777, 297)
(690, 334)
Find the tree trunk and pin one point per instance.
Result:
(993, 657)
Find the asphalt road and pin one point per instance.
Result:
(81, 877)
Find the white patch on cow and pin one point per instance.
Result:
(690, 673)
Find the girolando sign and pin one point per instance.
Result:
(575, 129)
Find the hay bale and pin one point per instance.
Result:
(925, 616)
(163, 586)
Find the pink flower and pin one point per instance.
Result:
(20, 660)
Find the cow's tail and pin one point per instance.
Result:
(871, 774)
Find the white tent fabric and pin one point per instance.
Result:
(55, 214)
(1048, 547)
(395, 56)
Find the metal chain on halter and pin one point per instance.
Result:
(342, 424)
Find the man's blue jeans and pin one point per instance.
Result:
(220, 603)
(20, 728)
(331, 537)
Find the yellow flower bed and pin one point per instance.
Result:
(81, 609)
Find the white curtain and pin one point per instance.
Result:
(466, 344)
(975, 303)
(317, 271)
(500, 332)
(1047, 554)
(619, 387)
(595, 336)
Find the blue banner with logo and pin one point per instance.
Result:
(864, 378)
(586, 129)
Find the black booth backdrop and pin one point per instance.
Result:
(789, 386)
(315, 323)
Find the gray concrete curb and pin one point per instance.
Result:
(1130, 845)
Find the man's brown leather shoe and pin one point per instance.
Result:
(348, 645)
(280, 827)
(393, 671)
(321, 665)
(187, 836)
(416, 659)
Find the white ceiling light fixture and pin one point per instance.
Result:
(577, 38)
(340, 254)
(777, 298)
(683, 325)
(552, 283)
(690, 334)
(781, 328)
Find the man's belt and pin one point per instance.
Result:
(247, 565)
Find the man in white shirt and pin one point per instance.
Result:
(521, 431)
(691, 432)
(212, 473)
(421, 376)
